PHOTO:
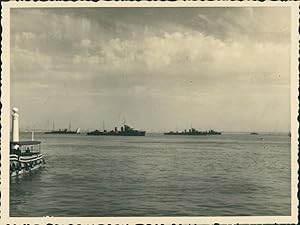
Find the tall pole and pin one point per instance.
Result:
(15, 125)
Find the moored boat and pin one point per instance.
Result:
(25, 156)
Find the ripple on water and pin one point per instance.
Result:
(227, 175)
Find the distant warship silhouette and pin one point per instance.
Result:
(63, 131)
(193, 131)
(125, 131)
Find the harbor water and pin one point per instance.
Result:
(157, 175)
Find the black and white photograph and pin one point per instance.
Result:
(151, 112)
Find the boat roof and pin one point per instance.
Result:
(25, 142)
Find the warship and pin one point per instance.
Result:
(25, 156)
(63, 131)
(124, 131)
(193, 131)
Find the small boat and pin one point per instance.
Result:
(25, 156)
(254, 133)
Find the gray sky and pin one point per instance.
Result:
(159, 68)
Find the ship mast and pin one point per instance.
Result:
(124, 121)
(15, 124)
(103, 125)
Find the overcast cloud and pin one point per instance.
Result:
(159, 68)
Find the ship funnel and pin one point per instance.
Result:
(15, 124)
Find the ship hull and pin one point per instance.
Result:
(141, 133)
(125, 131)
(193, 134)
(61, 132)
(25, 164)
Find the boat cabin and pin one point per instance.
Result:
(25, 147)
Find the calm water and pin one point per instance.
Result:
(156, 175)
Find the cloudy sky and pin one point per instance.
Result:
(157, 68)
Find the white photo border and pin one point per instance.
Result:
(5, 119)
